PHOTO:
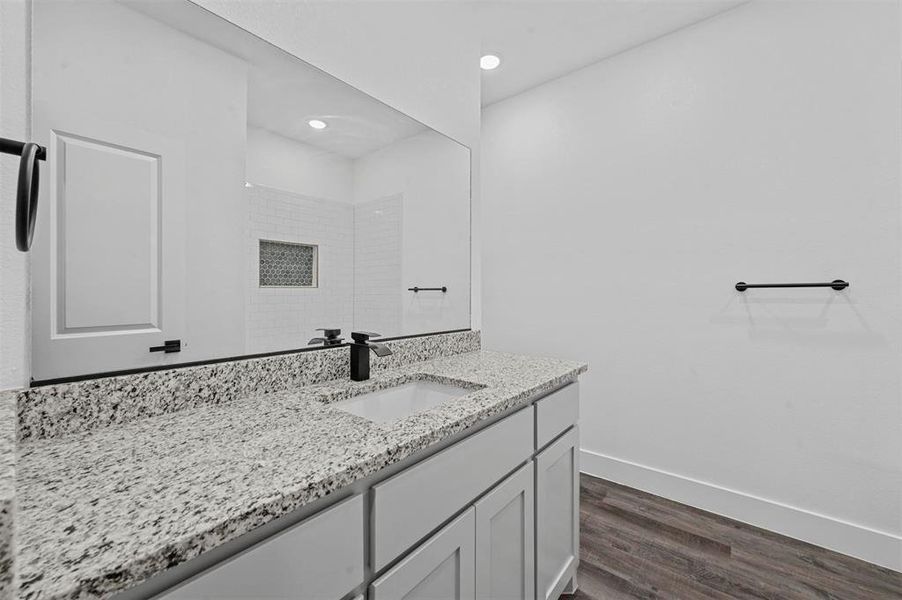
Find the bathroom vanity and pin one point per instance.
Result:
(291, 495)
(492, 515)
(186, 433)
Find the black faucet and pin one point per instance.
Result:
(360, 354)
(330, 338)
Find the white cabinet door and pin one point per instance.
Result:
(412, 503)
(442, 568)
(556, 413)
(319, 559)
(557, 517)
(505, 543)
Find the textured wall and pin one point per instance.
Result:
(14, 330)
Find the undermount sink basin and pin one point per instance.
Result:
(394, 403)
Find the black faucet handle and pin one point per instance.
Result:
(361, 337)
(329, 332)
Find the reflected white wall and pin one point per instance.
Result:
(431, 174)
(285, 164)
(378, 275)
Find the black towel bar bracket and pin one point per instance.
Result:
(836, 284)
(27, 189)
(416, 289)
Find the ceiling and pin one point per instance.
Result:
(285, 92)
(537, 40)
(542, 40)
(281, 98)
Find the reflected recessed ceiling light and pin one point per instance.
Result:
(317, 124)
(489, 62)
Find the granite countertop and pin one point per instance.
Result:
(7, 490)
(101, 511)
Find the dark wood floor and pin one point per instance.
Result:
(636, 545)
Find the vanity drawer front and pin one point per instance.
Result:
(556, 412)
(412, 503)
(321, 558)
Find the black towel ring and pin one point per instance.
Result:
(27, 196)
(27, 189)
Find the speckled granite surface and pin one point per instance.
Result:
(7, 491)
(55, 410)
(103, 510)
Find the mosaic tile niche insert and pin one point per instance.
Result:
(287, 264)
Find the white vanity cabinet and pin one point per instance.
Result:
(505, 540)
(557, 516)
(320, 558)
(442, 567)
(492, 516)
(409, 505)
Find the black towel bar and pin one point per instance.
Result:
(14, 147)
(836, 284)
(416, 289)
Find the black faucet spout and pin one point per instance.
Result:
(380, 349)
(360, 354)
(329, 338)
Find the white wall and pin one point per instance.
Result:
(625, 200)
(15, 351)
(429, 173)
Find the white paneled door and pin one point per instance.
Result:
(107, 262)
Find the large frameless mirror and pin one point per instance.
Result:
(207, 195)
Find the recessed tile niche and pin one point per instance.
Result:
(287, 264)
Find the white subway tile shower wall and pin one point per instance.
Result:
(281, 318)
(377, 265)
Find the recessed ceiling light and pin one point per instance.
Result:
(317, 124)
(489, 62)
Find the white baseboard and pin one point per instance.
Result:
(878, 547)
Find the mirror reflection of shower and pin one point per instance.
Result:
(246, 198)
